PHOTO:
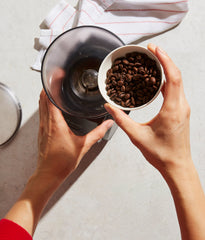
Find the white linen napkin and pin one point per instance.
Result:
(128, 19)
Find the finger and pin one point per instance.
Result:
(134, 130)
(40, 107)
(163, 89)
(56, 81)
(54, 113)
(56, 87)
(43, 113)
(152, 47)
(174, 85)
(98, 133)
(43, 110)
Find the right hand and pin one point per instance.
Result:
(164, 141)
(60, 150)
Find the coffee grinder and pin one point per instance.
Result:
(69, 76)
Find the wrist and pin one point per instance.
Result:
(27, 210)
(180, 175)
(43, 181)
(38, 190)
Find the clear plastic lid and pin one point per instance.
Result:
(10, 114)
(70, 68)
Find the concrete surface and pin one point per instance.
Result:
(115, 193)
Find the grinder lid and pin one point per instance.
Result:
(10, 114)
(78, 53)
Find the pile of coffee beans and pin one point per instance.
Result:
(133, 80)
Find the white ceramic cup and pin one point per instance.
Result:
(107, 64)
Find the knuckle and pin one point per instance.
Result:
(101, 134)
(175, 114)
(134, 141)
(119, 121)
(175, 118)
(187, 110)
(177, 79)
(42, 93)
(41, 127)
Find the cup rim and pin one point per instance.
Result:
(109, 59)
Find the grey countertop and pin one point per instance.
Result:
(115, 193)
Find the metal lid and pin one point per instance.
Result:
(10, 114)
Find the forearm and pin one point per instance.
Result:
(27, 210)
(189, 201)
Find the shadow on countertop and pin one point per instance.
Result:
(84, 164)
(18, 160)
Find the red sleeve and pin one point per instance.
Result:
(12, 231)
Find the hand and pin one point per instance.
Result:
(60, 150)
(164, 141)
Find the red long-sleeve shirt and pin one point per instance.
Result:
(12, 231)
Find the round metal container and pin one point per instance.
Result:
(10, 114)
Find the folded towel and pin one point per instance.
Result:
(130, 20)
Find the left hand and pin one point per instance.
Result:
(60, 150)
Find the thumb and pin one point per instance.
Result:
(129, 126)
(98, 133)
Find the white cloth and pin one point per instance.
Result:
(128, 19)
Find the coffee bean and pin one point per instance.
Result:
(107, 88)
(131, 59)
(123, 103)
(153, 80)
(128, 102)
(124, 70)
(115, 68)
(120, 83)
(131, 93)
(120, 66)
(154, 73)
(117, 61)
(109, 72)
(108, 80)
(135, 69)
(129, 77)
(137, 64)
(141, 70)
(123, 88)
(133, 101)
(132, 80)
(114, 83)
(125, 61)
(121, 95)
(127, 88)
(118, 99)
(109, 92)
(127, 96)
(113, 96)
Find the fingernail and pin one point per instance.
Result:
(161, 51)
(152, 45)
(107, 107)
(109, 124)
